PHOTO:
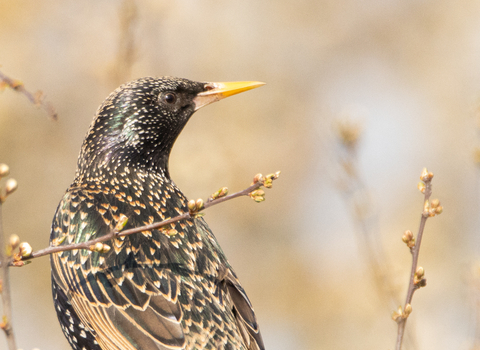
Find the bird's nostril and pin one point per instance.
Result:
(209, 86)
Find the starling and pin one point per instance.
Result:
(159, 289)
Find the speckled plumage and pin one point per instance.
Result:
(152, 290)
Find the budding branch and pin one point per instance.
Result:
(417, 279)
(251, 191)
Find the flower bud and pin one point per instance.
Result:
(57, 241)
(420, 272)
(25, 250)
(408, 310)
(397, 315)
(97, 247)
(407, 236)
(258, 178)
(192, 205)
(421, 186)
(270, 177)
(4, 170)
(14, 241)
(106, 248)
(223, 192)
(10, 186)
(424, 174)
(258, 193)
(122, 221)
(220, 193)
(199, 204)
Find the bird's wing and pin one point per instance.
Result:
(152, 290)
(244, 314)
(240, 316)
(120, 302)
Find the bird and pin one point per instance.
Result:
(150, 290)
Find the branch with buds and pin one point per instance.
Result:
(5, 256)
(25, 252)
(365, 215)
(38, 98)
(417, 275)
(15, 253)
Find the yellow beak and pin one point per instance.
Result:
(217, 91)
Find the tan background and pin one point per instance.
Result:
(407, 71)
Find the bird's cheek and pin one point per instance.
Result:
(186, 111)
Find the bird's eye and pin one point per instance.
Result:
(169, 98)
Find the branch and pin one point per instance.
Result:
(364, 213)
(6, 321)
(417, 279)
(194, 207)
(37, 99)
(355, 192)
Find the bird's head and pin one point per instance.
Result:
(139, 122)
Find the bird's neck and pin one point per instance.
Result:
(112, 162)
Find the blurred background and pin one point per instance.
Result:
(322, 258)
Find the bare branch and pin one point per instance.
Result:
(37, 98)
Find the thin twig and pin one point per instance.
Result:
(416, 274)
(6, 322)
(356, 193)
(37, 99)
(19, 260)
